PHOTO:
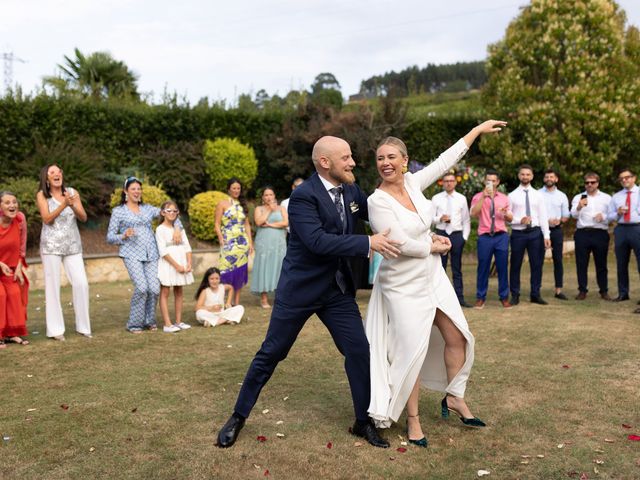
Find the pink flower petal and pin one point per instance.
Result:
(401, 449)
(329, 445)
(635, 438)
(261, 438)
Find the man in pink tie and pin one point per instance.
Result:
(624, 208)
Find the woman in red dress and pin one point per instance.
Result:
(13, 283)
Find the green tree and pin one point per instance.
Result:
(227, 157)
(566, 77)
(325, 90)
(97, 75)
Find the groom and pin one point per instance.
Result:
(316, 278)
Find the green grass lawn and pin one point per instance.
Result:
(554, 383)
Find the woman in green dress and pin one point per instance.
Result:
(272, 221)
(234, 236)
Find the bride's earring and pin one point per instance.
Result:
(405, 169)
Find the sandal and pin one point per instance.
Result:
(18, 340)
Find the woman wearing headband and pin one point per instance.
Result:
(130, 227)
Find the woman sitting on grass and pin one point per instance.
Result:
(211, 309)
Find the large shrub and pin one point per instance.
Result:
(151, 194)
(25, 189)
(227, 157)
(202, 211)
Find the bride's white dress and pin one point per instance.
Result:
(408, 289)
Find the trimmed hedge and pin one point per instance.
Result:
(202, 212)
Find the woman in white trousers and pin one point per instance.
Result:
(60, 244)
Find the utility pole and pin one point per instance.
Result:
(9, 58)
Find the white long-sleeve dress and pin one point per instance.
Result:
(399, 323)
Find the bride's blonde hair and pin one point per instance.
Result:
(394, 142)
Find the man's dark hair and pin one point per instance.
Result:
(492, 171)
(626, 169)
(551, 170)
(525, 166)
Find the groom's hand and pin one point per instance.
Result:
(384, 246)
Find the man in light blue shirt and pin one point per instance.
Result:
(557, 205)
(624, 208)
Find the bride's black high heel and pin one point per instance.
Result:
(469, 422)
(423, 442)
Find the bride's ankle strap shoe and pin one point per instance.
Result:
(423, 442)
(469, 422)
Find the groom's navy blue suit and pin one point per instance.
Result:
(318, 247)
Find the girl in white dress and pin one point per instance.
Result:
(211, 309)
(174, 267)
(412, 294)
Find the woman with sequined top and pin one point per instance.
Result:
(60, 208)
(130, 228)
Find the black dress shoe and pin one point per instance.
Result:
(515, 299)
(228, 434)
(621, 298)
(369, 433)
(465, 304)
(561, 296)
(539, 301)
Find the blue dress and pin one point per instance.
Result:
(271, 247)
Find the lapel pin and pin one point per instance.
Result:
(354, 207)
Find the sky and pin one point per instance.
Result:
(219, 50)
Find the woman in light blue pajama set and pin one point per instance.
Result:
(130, 227)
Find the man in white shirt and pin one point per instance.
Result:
(452, 221)
(557, 205)
(285, 203)
(624, 208)
(590, 208)
(530, 232)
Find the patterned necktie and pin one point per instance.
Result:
(337, 194)
(527, 208)
(627, 214)
(492, 212)
(449, 227)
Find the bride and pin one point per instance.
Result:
(412, 294)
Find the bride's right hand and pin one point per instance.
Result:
(440, 248)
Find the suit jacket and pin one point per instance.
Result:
(317, 242)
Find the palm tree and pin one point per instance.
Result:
(97, 75)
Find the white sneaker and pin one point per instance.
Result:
(183, 326)
(171, 329)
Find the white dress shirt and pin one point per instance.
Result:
(285, 204)
(619, 199)
(597, 203)
(454, 205)
(556, 202)
(538, 209)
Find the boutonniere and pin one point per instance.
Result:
(354, 207)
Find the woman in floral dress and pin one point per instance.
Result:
(234, 236)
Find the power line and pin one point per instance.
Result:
(8, 59)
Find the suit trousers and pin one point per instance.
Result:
(488, 247)
(339, 313)
(74, 268)
(532, 241)
(557, 244)
(457, 246)
(626, 239)
(596, 241)
(146, 289)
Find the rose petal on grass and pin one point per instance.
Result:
(595, 470)
(134, 409)
(31, 410)
(229, 346)
(265, 411)
(404, 444)
(256, 466)
(540, 456)
(597, 461)
(525, 456)
(92, 449)
(280, 435)
(285, 399)
(597, 450)
(29, 376)
(561, 445)
(64, 406)
(609, 440)
(279, 422)
(401, 449)
(392, 458)
(261, 438)
(35, 333)
(634, 438)
(329, 445)
(624, 425)
(566, 366)
(266, 472)
(524, 462)
(97, 295)
(482, 473)
(584, 476)
(6, 438)
(357, 444)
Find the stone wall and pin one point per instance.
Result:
(109, 268)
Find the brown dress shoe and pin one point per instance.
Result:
(581, 296)
(506, 304)
(479, 304)
(605, 296)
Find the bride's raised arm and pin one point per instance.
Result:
(447, 159)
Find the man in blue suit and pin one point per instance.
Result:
(316, 279)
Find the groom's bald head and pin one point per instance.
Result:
(333, 161)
